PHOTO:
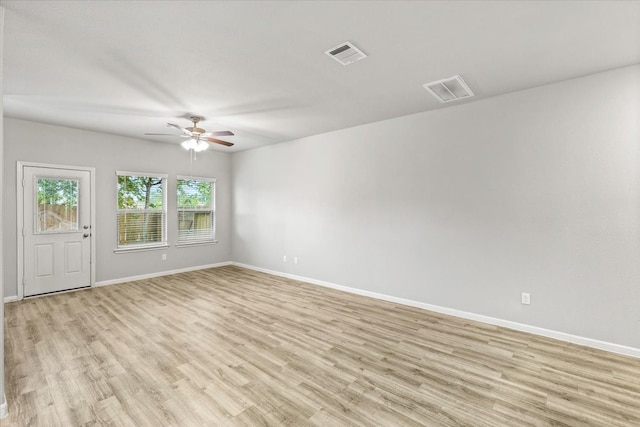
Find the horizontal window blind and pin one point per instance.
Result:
(141, 227)
(195, 226)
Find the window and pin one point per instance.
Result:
(57, 202)
(196, 210)
(142, 212)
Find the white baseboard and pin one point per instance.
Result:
(142, 277)
(562, 336)
(158, 274)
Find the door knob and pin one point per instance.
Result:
(85, 235)
(86, 227)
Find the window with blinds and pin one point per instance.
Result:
(196, 210)
(142, 211)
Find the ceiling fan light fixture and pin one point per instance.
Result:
(201, 146)
(189, 144)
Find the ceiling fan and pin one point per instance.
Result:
(198, 138)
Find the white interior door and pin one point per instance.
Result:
(56, 229)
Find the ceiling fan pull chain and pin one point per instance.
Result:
(191, 152)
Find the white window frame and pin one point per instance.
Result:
(145, 246)
(212, 209)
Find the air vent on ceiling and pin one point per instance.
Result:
(346, 53)
(450, 89)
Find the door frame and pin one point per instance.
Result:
(20, 217)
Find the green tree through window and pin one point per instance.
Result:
(141, 210)
(57, 205)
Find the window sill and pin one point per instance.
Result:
(141, 248)
(186, 245)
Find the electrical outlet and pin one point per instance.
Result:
(295, 259)
(526, 298)
(284, 258)
(164, 257)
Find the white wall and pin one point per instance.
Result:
(35, 142)
(3, 404)
(466, 207)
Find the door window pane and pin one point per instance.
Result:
(57, 205)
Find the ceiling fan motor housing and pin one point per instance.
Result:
(194, 128)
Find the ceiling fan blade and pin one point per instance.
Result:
(180, 128)
(218, 141)
(171, 134)
(219, 133)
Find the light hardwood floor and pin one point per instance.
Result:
(230, 346)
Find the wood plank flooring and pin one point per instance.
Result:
(234, 347)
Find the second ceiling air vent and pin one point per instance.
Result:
(346, 53)
(450, 89)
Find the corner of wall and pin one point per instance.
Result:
(3, 401)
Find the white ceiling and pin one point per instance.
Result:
(258, 68)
